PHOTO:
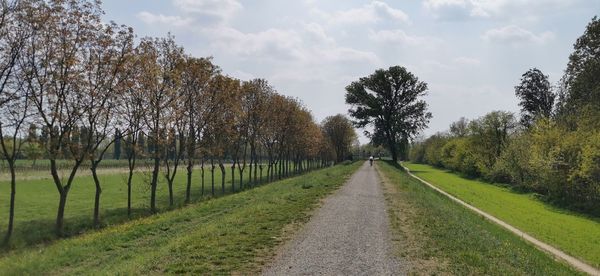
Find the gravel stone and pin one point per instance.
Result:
(348, 235)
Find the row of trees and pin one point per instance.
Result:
(553, 149)
(84, 82)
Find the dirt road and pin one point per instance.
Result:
(348, 235)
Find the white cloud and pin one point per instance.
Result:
(374, 12)
(450, 9)
(467, 61)
(513, 34)
(401, 37)
(220, 9)
(434, 65)
(308, 45)
(316, 33)
(273, 42)
(177, 21)
(464, 9)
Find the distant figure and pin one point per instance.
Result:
(371, 160)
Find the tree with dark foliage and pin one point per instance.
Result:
(389, 101)
(537, 98)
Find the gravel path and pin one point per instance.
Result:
(348, 235)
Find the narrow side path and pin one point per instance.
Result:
(348, 235)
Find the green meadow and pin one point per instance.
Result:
(576, 234)
(234, 234)
(434, 235)
(37, 200)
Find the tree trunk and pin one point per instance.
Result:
(241, 171)
(222, 167)
(131, 165)
(287, 166)
(233, 177)
(97, 195)
(272, 167)
(11, 212)
(188, 189)
(280, 169)
(61, 211)
(256, 169)
(63, 192)
(129, 178)
(153, 185)
(393, 152)
(202, 178)
(212, 177)
(392, 146)
(250, 173)
(170, 184)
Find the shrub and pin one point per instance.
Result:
(513, 165)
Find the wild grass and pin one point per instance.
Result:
(37, 201)
(434, 235)
(234, 234)
(576, 234)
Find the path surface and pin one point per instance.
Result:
(348, 235)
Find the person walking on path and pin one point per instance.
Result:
(371, 160)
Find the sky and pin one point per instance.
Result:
(471, 53)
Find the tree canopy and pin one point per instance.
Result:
(389, 101)
(537, 98)
(339, 131)
(556, 156)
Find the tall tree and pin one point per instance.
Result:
(536, 96)
(490, 136)
(254, 99)
(338, 129)
(389, 101)
(104, 57)
(132, 114)
(14, 99)
(54, 59)
(581, 76)
(161, 64)
(198, 108)
(460, 128)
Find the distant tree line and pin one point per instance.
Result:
(341, 135)
(73, 87)
(553, 149)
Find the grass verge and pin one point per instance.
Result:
(235, 234)
(37, 201)
(573, 233)
(434, 235)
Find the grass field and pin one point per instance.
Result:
(44, 164)
(434, 235)
(573, 233)
(233, 234)
(37, 201)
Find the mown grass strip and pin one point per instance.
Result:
(37, 202)
(437, 236)
(575, 234)
(232, 234)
